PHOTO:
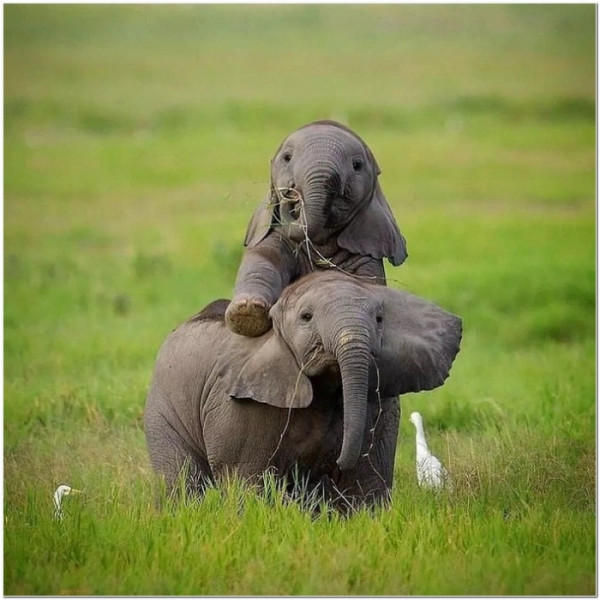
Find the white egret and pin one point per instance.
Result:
(430, 471)
(62, 490)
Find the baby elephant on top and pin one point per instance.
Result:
(316, 396)
(325, 209)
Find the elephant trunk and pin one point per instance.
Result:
(317, 186)
(352, 352)
(322, 179)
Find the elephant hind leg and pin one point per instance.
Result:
(175, 461)
(193, 478)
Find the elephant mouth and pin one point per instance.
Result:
(291, 203)
(294, 210)
(318, 361)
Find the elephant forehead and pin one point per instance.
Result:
(337, 301)
(330, 290)
(326, 137)
(319, 147)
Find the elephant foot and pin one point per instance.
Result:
(248, 315)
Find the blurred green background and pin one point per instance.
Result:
(137, 142)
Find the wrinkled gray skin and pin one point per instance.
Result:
(317, 394)
(325, 207)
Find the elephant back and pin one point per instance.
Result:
(215, 311)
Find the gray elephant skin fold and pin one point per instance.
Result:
(317, 394)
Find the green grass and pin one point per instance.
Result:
(137, 142)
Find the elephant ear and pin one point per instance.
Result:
(271, 375)
(374, 232)
(420, 342)
(261, 222)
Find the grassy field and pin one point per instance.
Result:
(136, 145)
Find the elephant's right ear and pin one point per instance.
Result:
(261, 222)
(420, 342)
(272, 376)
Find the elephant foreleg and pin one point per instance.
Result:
(264, 271)
(370, 482)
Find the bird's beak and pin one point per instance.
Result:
(74, 491)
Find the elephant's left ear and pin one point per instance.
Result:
(420, 343)
(272, 376)
(261, 222)
(374, 232)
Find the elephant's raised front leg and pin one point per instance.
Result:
(264, 271)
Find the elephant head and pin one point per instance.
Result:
(372, 338)
(324, 185)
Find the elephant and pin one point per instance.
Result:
(325, 209)
(317, 395)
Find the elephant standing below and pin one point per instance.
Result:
(325, 209)
(316, 395)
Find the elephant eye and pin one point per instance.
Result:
(357, 164)
(287, 156)
(306, 316)
(379, 319)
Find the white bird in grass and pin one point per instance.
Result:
(430, 471)
(62, 490)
